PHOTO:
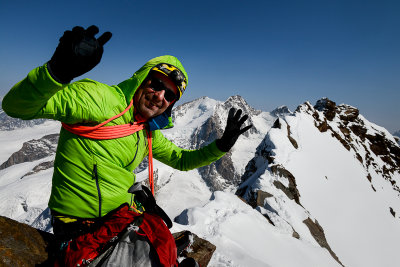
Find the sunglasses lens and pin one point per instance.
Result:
(169, 95)
(158, 85)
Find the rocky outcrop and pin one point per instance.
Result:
(345, 124)
(221, 174)
(34, 150)
(290, 191)
(41, 167)
(22, 245)
(318, 233)
(201, 250)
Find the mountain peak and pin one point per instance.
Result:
(281, 111)
(238, 102)
(325, 104)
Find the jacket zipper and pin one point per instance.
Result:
(96, 177)
(137, 148)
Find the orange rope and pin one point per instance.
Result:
(105, 132)
(101, 132)
(151, 173)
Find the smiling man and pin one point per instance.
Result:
(155, 94)
(93, 168)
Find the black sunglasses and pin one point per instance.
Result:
(158, 85)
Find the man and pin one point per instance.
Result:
(93, 173)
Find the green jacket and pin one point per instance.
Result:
(91, 177)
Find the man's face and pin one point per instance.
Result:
(150, 103)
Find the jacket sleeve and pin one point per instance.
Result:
(40, 96)
(182, 159)
(31, 94)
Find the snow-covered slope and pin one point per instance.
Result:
(345, 180)
(314, 187)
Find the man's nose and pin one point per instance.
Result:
(159, 95)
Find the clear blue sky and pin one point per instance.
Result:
(272, 53)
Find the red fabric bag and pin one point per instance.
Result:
(84, 249)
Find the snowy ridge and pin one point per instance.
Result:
(299, 162)
(8, 124)
(314, 187)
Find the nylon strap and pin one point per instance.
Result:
(101, 132)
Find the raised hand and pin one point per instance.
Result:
(77, 53)
(232, 130)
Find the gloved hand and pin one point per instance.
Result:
(232, 130)
(77, 53)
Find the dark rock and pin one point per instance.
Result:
(392, 212)
(290, 191)
(291, 139)
(378, 145)
(359, 130)
(33, 150)
(268, 218)
(277, 124)
(328, 107)
(350, 114)
(257, 199)
(201, 250)
(341, 140)
(345, 131)
(22, 245)
(323, 126)
(318, 233)
(261, 196)
(41, 167)
(359, 157)
(295, 234)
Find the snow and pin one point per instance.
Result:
(185, 190)
(242, 235)
(24, 199)
(11, 141)
(354, 217)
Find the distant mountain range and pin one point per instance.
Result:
(318, 186)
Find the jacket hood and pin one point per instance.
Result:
(130, 86)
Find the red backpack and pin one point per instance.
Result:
(89, 247)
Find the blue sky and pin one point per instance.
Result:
(272, 53)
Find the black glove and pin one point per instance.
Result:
(232, 130)
(77, 53)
